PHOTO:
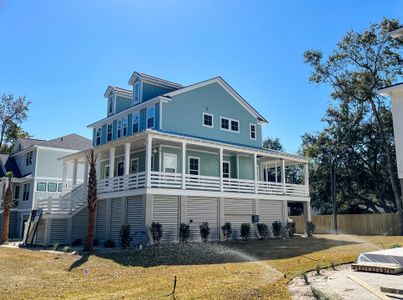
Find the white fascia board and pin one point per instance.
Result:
(130, 110)
(136, 75)
(111, 89)
(225, 86)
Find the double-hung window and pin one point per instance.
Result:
(109, 133)
(125, 124)
(235, 125)
(28, 158)
(52, 187)
(151, 117)
(225, 169)
(194, 166)
(134, 165)
(136, 92)
(136, 122)
(98, 137)
(119, 131)
(225, 123)
(25, 196)
(41, 186)
(229, 124)
(208, 120)
(253, 131)
(110, 105)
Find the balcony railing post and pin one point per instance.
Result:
(255, 171)
(221, 170)
(183, 165)
(283, 175)
(149, 146)
(306, 178)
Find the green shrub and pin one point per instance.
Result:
(156, 231)
(245, 230)
(125, 236)
(333, 265)
(110, 244)
(76, 242)
(319, 295)
(263, 230)
(184, 232)
(395, 246)
(291, 229)
(57, 246)
(204, 231)
(226, 230)
(276, 228)
(305, 277)
(66, 249)
(317, 269)
(310, 228)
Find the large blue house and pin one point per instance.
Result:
(170, 153)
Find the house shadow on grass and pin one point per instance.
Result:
(216, 253)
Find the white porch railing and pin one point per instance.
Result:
(166, 180)
(122, 183)
(66, 203)
(202, 183)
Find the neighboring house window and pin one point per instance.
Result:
(98, 137)
(226, 169)
(106, 171)
(234, 125)
(28, 158)
(136, 92)
(41, 187)
(25, 195)
(150, 117)
(253, 131)
(136, 122)
(125, 124)
(229, 124)
(52, 187)
(119, 131)
(17, 192)
(60, 187)
(208, 120)
(110, 105)
(109, 133)
(134, 165)
(194, 165)
(170, 162)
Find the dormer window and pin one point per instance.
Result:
(28, 158)
(110, 104)
(136, 92)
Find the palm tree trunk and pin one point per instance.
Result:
(5, 226)
(91, 199)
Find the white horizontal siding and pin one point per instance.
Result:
(135, 213)
(58, 231)
(80, 225)
(238, 211)
(166, 212)
(116, 219)
(101, 230)
(199, 210)
(271, 211)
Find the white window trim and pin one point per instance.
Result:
(131, 165)
(107, 131)
(250, 131)
(199, 166)
(109, 170)
(99, 130)
(229, 125)
(176, 161)
(140, 93)
(125, 120)
(113, 104)
(117, 129)
(212, 120)
(148, 109)
(229, 168)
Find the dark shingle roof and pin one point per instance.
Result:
(71, 141)
(121, 90)
(8, 164)
(146, 76)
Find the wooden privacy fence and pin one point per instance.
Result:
(365, 224)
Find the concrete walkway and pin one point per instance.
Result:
(345, 283)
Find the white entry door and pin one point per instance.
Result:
(170, 162)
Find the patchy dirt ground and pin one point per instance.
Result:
(344, 283)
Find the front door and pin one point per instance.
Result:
(121, 168)
(170, 163)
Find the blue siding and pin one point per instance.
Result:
(103, 134)
(94, 132)
(143, 119)
(184, 115)
(151, 91)
(157, 115)
(129, 123)
(114, 129)
(122, 103)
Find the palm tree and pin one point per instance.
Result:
(91, 198)
(7, 205)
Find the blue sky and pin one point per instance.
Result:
(63, 54)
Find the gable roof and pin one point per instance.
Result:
(388, 90)
(119, 90)
(227, 87)
(154, 79)
(8, 164)
(71, 141)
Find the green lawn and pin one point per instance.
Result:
(234, 270)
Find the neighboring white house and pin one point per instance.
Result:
(395, 91)
(37, 174)
(170, 153)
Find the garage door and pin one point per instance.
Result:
(166, 212)
(271, 211)
(199, 210)
(238, 211)
(135, 213)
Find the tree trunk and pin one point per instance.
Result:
(91, 199)
(5, 226)
(390, 165)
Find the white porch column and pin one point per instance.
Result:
(149, 147)
(221, 170)
(86, 165)
(183, 165)
(275, 172)
(255, 171)
(64, 176)
(98, 167)
(112, 162)
(75, 168)
(283, 174)
(306, 178)
(127, 159)
(307, 211)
